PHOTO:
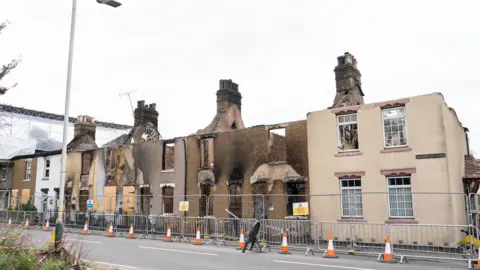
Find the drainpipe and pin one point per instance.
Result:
(185, 172)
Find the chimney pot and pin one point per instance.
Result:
(84, 124)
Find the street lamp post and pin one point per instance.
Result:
(66, 117)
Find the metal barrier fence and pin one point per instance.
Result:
(421, 241)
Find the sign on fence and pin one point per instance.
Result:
(89, 204)
(183, 207)
(300, 209)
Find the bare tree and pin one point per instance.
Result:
(5, 69)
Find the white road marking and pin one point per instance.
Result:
(86, 241)
(118, 265)
(323, 265)
(181, 251)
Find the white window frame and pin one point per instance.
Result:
(3, 175)
(339, 140)
(46, 168)
(399, 187)
(394, 117)
(342, 188)
(28, 169)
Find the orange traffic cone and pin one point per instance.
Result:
(9, 223)
(284, 247)
(241, 242)
(330, 252)
(110, 230)
(26, 224)
(131, 235)
(198, 240)
(47, 226)
(387, 256)
(169, 234)
(85, 228)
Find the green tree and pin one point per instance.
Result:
(5, 69)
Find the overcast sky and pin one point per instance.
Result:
(281, 53)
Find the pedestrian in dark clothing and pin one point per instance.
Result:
(252, 237)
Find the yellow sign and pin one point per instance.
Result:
(96, 206)
(183, 207)
(300, 209)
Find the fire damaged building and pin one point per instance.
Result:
(226, 165)
(246, 170)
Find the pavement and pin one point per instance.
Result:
(142, 254)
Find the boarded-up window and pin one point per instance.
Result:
(128, 199)
(167, 193)
(110, 199)
(86, 161)
(25, 196)
(14, 199)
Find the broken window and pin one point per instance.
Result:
(167, 194)
(168, 162)
(206, 153)
(296, 191)
(82, 200)
(86, 161)
(259, 202)
(277, 145)
(145, 200)
(347, 132)
(394, 127)
(3, 175)
(205, 191)
(235, 192)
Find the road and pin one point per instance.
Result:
(143, 254)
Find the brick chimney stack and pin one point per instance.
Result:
(145, 113)
(228, 95)
(84, 124)
(348, 82)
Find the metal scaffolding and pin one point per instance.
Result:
(21, 122)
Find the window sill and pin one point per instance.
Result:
(45, 179)
(401, 221)
(168, 171)
(352, 220)
(276, 162)
(26, 180)
(348, 154)
(396, 149)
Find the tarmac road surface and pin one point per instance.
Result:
(142, 254)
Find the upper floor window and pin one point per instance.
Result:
(46, 171)
(206, 152)
(394, 127)
(3, 175)
(400, 197)
(28, 169)
(86, 161)
(347, 132)
(351, 190)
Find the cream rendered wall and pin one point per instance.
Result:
(431, 128)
